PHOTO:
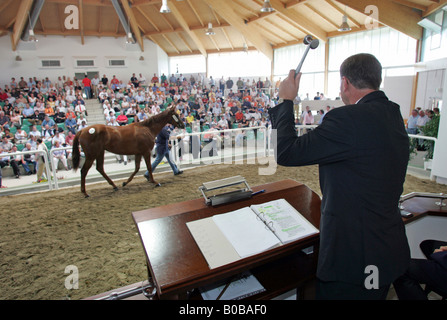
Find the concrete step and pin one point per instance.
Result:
(95, 112)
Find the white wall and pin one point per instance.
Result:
(69, 48)
(434, 69)
(439, 168)
(398, 90)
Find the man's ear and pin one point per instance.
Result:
(344, 83)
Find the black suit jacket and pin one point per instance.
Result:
(362, 151)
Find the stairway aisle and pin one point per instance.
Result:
(95, 112)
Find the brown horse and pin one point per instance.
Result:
(137, 139)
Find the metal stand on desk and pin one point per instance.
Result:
(243, 193)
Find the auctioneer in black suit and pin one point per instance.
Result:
(362, 151)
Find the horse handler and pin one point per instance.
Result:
(161, 143)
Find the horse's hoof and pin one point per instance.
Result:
(124, 184)
(157, 185)
(115, 189)
(87, 196)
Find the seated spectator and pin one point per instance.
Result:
(122, 120)
(8, 147)
(431, 271)
(27, 112)
(141, 115)
(58, 137)
(81, 118)
(8, 135)
(20, 136)
(48, 121)
(34, 132)
(49, 111)
(4, 120)
(82, 125)
(109, 117)
(36, 119)
(16, 119)
(69, 139)
(71, 124)
(115, 83)
(47, 133)
(19, 160)
(59, 155)
(30, 158)
(70, 112)
(239, 116)
(131, 112)
(80, 109)
(103, 96)
(6, 144)
(59, 116)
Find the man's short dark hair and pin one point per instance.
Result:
(363, 70)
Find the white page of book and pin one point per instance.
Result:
(214, 246)
(285, 221)
(246, 232)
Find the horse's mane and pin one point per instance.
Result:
(154, 119)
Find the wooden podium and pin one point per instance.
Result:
(176, 265)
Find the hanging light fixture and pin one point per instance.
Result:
(267, 7)
(31, 35)
(344, 25)
(210, 31)
(129, 38)
(164, 7)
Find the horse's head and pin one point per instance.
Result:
(174, 118)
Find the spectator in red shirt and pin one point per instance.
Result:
(87, 87)
(122, 119)
(3, 95)
(239, 116)
(115, 83)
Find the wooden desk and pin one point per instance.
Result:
(420, 206)
(176, 264)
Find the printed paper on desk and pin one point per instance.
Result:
(284, 220)
(246, 232)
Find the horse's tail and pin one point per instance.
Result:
(76, 155)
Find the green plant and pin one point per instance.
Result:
(430, 130)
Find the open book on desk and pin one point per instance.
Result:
(228, 237)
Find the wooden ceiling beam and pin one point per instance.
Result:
(181, 20)
(351, 19)
(250, 32)
(20, 22)
(133, 23)
(323, 16)
(434, 7)
(391, 14)
(81, 21)
(96, 3)
(310, 26)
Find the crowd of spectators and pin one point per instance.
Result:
(33, 109)
(55, 110)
